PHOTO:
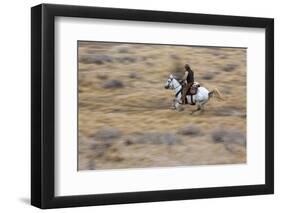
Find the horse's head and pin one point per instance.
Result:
(169, 83)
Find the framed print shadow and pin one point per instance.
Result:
(135, 106)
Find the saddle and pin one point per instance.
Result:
(193, 89)
(191, 92)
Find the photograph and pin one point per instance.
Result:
(141, 105)
(146, 105)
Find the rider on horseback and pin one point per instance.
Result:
(188, 80)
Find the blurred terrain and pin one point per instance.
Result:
(125, 116)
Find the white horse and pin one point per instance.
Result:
(200, 98)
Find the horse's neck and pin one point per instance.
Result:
(177, 86)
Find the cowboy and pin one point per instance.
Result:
(188, 79)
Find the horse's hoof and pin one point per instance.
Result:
(193, 112)
(202, 112)
(180, 109)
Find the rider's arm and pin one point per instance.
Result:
(185, 75)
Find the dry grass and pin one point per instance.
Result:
(140, 104)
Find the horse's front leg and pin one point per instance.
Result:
(173, 104)
(178, 106)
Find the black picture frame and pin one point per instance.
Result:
(43, 102)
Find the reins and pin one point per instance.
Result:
(178, 92)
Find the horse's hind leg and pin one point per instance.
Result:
(202, 105)
(199, 107)
(202, 109)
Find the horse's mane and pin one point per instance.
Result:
(179, 80)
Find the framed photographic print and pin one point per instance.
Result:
(140, 106)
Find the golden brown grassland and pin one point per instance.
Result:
(125, 116)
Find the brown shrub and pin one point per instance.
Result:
(192, 130)
(229, 136)
(154, 138)
(107, 133)
(113, 84)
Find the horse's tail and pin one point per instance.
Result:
(216, 93)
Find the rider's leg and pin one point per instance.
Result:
(184, 92)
